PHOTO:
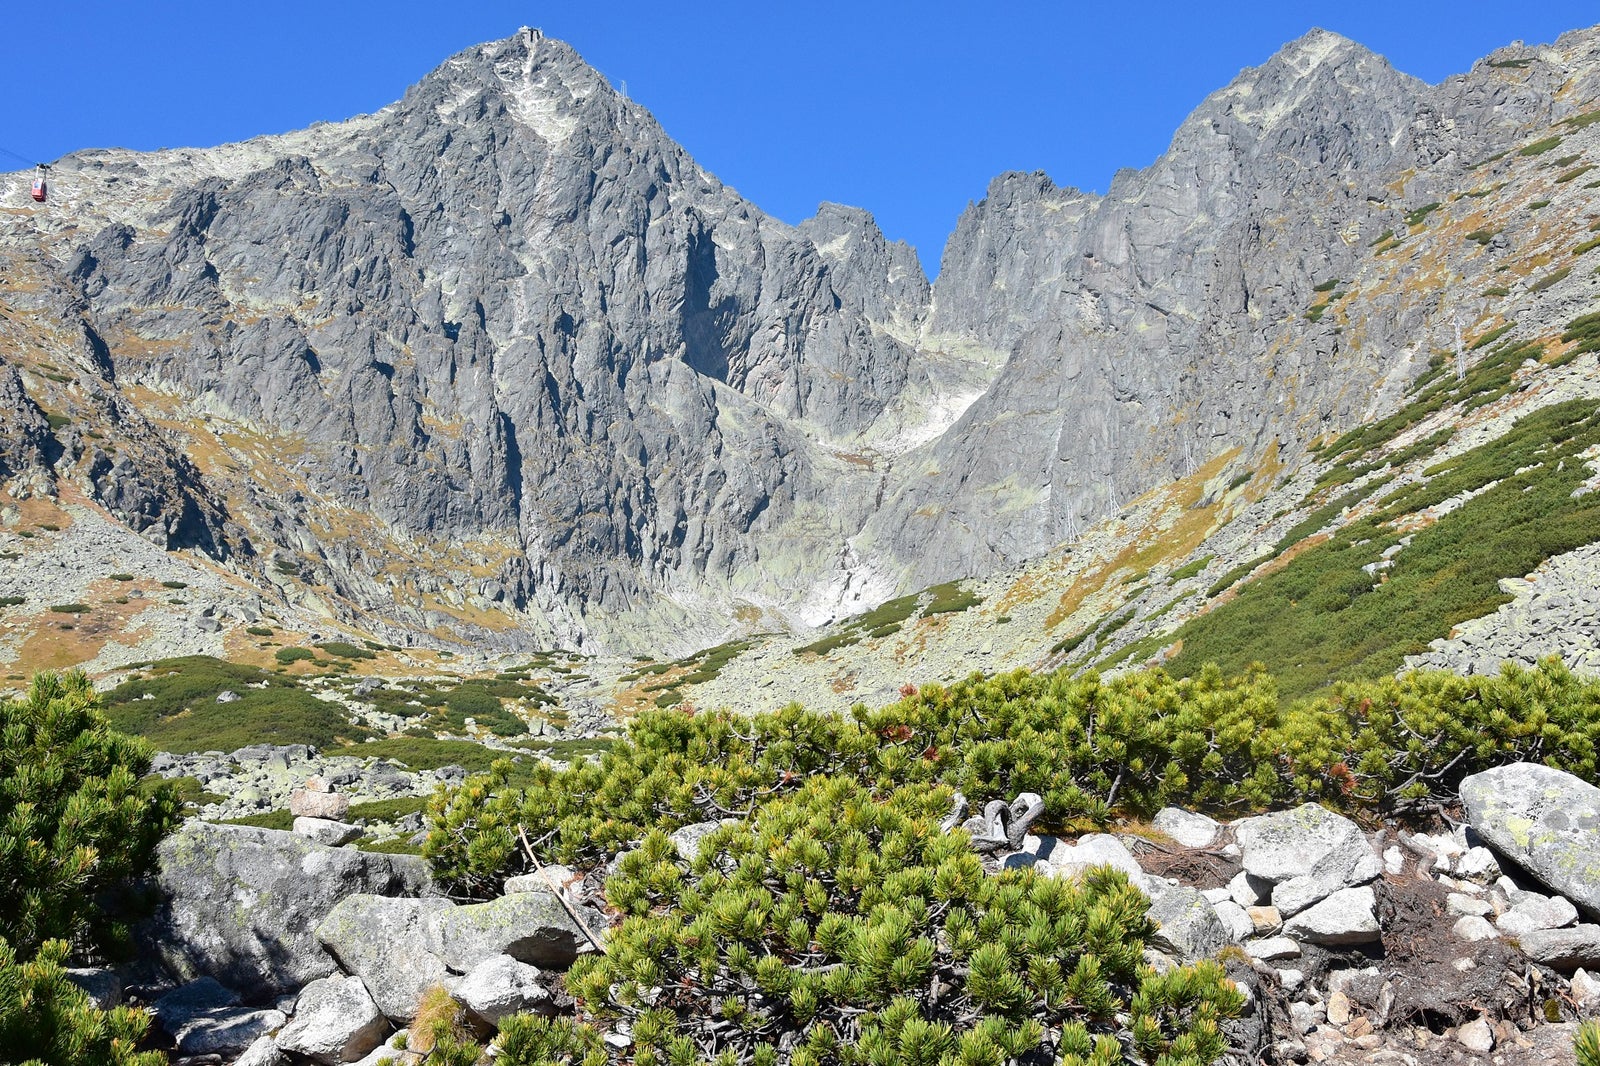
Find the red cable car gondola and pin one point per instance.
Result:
(40, 191)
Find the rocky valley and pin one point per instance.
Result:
(483, 480)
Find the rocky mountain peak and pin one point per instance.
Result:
(1308, 74)
(544, 82)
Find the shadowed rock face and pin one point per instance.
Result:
(510, 309)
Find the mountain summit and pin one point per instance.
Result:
(501, 362)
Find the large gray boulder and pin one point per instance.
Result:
(1543, 820)
(390, 944)
(335, 1021)
(1308, 854)
(501, 986)
(1346, 917)
(531, 927)
(1188, 924)
(240, 904)
(401, 947)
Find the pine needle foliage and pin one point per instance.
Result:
(46, 1020)
(838, 926)
(75, 825)
(1092, 747)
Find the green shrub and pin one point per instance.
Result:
(70, 608)
(1540, 147)
(340, 649)
(873, 938)
(121, 577)
(75, 826)
(1574, 173)
(181, 713)
(258, 631)
(1538, 205)
(46, 1019)
(293, 655)
(1586, 1042)
(1549, 279)
(12, 601)
(1483, 236)
(1420, 215)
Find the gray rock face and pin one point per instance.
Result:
(204, 1018)
(510, 316)
(401, 947)
(335, 1021)
(1346, 917)
(1147, 327)
(1543, 820)
(511, 306)
(240, 904)
(1189, 926)
(501, 986)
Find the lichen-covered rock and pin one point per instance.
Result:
(326, 831)
(1545, 821)
(240, 904)
(531, 927)
(401, 947)
(500, 986)
(1188, 926)
(1307, 853)
(391, 945)
(335, 1021)
(1345, 917)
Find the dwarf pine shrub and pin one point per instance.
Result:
(75, 828)
(851, 928)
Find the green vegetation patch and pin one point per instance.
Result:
(1190, 569)
(1541, 146)
(887, 618)
(1420, 215)
(282, 820)
(294, 655)
(1574, 173)
(1583, 121)
(340, 649)
(1323, 616)
(175, 706)
(1483, 236)
(1550, 279)
(388, 810)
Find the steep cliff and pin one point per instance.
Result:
(501, 363)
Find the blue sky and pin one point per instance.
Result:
(904, 108)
